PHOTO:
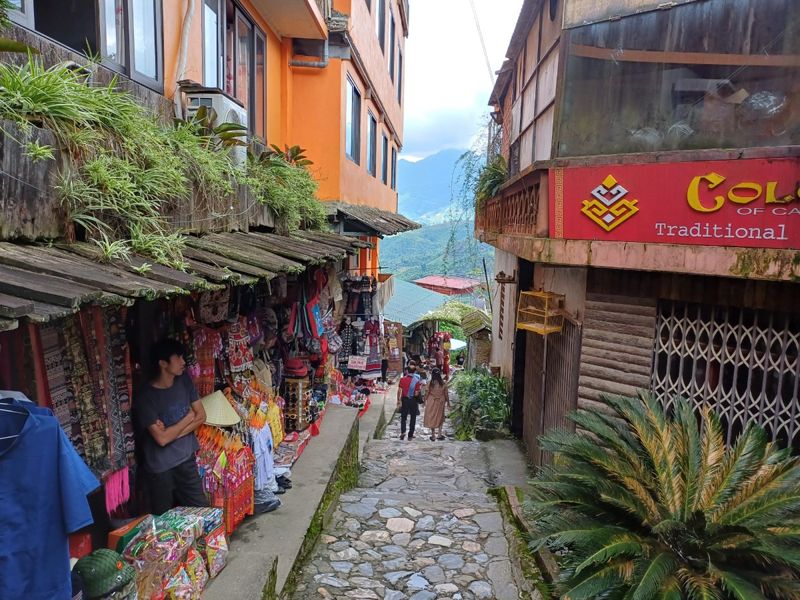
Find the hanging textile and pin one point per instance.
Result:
(94, 439)
(56, 367)
(207, 347)
(240, 355)
(119, 387)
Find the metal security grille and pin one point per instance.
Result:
(741, 363)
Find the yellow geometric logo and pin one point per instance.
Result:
(610, 208)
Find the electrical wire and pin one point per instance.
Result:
(483, 42)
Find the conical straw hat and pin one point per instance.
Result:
(219, 411)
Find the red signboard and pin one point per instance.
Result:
(750, 203)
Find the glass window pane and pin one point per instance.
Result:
(113, 17)
(371, 145)
(399, 77)
(392, 44)
(145, 54)
(230, 36)
(18, 5)
(348, 121)
(394, 168)
(244, 53)
(690, 91)
(210, 44)
(260, 107)
(385, 160)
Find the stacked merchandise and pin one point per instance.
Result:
(298, 401)
(175, 554)
(226, 466)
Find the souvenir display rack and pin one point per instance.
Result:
(298, 404)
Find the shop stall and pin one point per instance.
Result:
(262, 353)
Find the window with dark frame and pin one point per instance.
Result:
(131, 39)
(372, 145)
(392, 43)
(384, 159)
(380, 23)
(244, 75)
(399, 76)
(394, 168)
(353, 123)
(127, 35)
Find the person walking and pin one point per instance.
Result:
(407, 401)
(436, 399)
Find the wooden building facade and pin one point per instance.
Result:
(653, 167)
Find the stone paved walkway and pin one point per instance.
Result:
(420, 526)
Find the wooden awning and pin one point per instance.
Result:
(43, 282)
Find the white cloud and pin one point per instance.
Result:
(447, 80)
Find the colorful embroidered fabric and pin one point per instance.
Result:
(275, 420)
(56, 367)
(207, 347)
(94, 438)
(240, 355)
(119, 388)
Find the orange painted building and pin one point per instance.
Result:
(326, 75)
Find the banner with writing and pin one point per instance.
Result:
(752, 203)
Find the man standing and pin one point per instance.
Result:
(168, 412)
(406, 400)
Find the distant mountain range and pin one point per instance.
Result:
(424, 186)
(445, 244)
(415, 254)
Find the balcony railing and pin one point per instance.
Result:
(512, 211)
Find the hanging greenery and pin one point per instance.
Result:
(493, 175)
(287, 188)
(125, 167)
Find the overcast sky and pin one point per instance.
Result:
(447, 82)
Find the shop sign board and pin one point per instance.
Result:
(752, 203)
(357, 363)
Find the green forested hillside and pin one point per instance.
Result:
(430, 251)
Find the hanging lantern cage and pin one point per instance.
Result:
(540, 312)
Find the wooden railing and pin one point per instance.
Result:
(512, 211)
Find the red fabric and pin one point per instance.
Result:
(364, 410)
(405, 384)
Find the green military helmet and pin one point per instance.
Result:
(104, 571)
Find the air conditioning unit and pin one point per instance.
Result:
(228, 111)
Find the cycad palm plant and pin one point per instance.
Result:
(645, 504)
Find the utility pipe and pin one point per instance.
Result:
(180, 70)
(314, 64)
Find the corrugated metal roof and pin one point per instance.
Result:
(42, 282)
(381, 222)
(411, 302)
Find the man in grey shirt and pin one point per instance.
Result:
(168, 412)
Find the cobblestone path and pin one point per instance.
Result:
(420, 526)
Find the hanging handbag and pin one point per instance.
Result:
(315, 318)
(213, 306)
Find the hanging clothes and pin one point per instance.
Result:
(264, 471)
(43, 489)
